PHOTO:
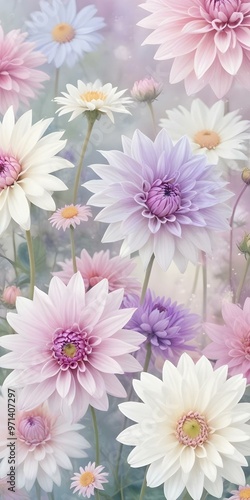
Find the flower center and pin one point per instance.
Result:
(224, 14)
(69, 212)
(63, 33)
(71, 348)
(86, 478)
(9, 171)
(33, 429)
(207, 139)
(93, 95)
(192, 429)
(245, 493)
(163, 198)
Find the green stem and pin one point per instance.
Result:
(97, 449)
(148, 356)
(32, 263)
(56, 82)
(73, 249)
(242, 281)
(84, 148)
(38, 491)
(144, 486)
(51, 495)
(146, 279)
(14, 252)
(196, 277)
(231, 222)
(204, 284)
(151, 109)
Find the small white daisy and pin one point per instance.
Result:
(63, 34)
(211, 131)
(92, 97)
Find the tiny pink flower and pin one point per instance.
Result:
(70, 215)
(231, 342)
(146, 90)
(10, 294)
(19, 78)
(89, 479)
(243, 493)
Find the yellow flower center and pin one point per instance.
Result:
(245, 493)
(207, 139)
(93, 95)
(69, 350)
(191, 428)
(86, 478)
(63, 33)
(69, 212)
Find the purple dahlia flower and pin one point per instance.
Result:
(167, 326)
(160, 199)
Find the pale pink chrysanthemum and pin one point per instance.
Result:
(117, 270)
(89, 479)
(45, 440)
(70, 345)
(70, 215)
(208, 40)
(243, 493)
(19, 78)
(231, 342)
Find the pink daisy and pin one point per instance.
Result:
(70, 345)
(117, 270)
(208, 39)
(88, 479)
(243, 493)
(45, 441)
(19, 78)
(231, 342)
(70, 215)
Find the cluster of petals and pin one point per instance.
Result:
(231, 341)
(19, 77)
(208, 40)
(27, 160)
(146, 90)
(92, 97)
(70, 215)
(69, 346)
(63, 34)
(190, 428)
(211, 131)
(160, 199)
(117, 270)
(169, 327)
(88, 479)
(45, 441)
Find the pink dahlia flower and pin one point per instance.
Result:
(45, 442)
(70, 345)
(231, 342)
(19, 78)
(89, 479)
(116, 270)
(208, 39)
(160, 199)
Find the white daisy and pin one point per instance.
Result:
(26, 162)
(92, 97)
(63, 34)
(190, 428)
(211, 131)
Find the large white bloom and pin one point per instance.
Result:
(26, 162)
(211, 131)
(190, 428)
(92, 97)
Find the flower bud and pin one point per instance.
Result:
(244, 246)
(246, 175)
(146, 90)
(10, 294)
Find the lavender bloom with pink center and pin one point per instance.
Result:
(160, 199)
(69, 346)
(169, 327)
(231, 341)
(208, 40)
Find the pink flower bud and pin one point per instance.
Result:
(146, 90)
(10, 294)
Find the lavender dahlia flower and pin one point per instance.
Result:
(160, 199)
(167, 326)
